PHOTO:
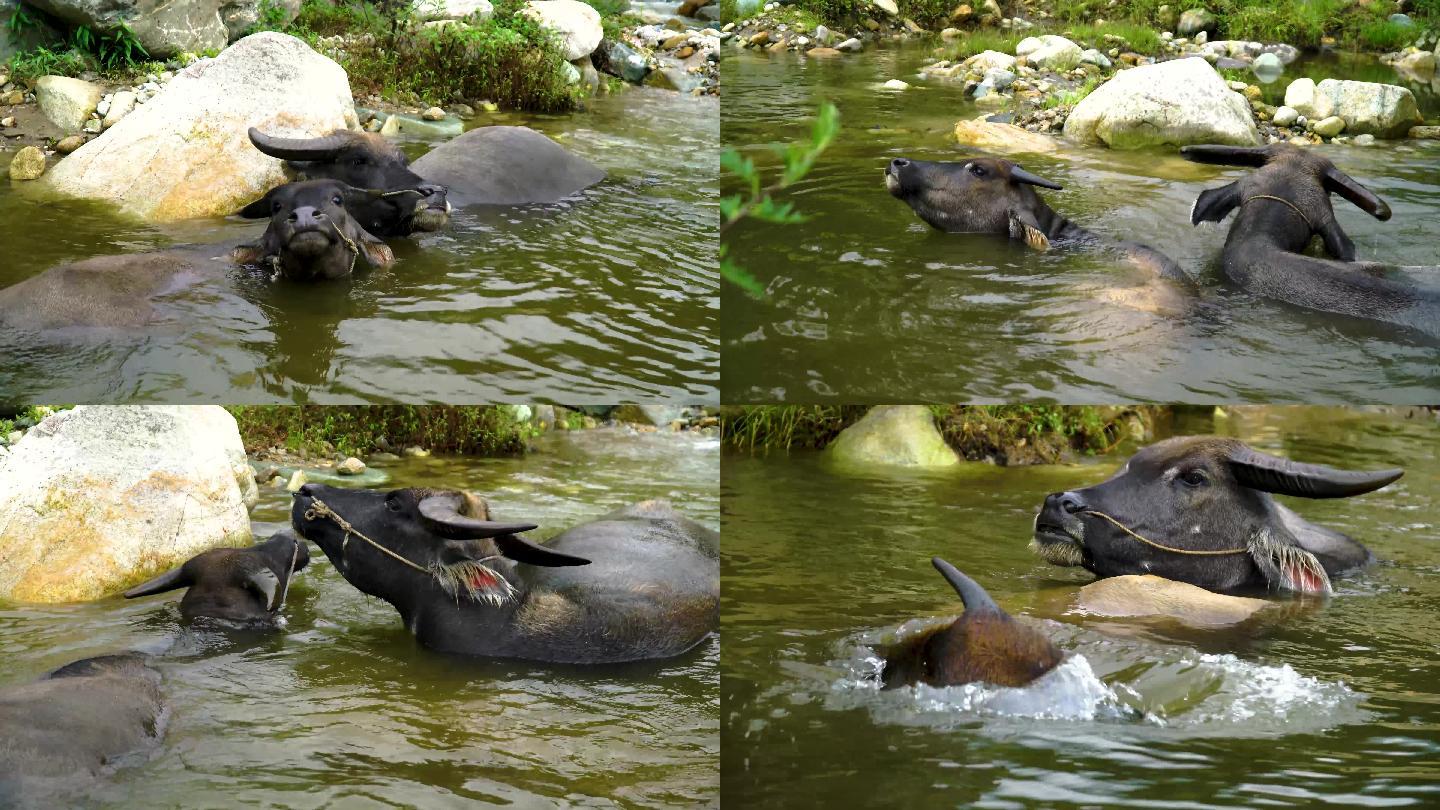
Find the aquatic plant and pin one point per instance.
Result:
(756, 201)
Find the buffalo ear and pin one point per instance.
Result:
(168, 581)
(1288, 567)
(1282, 476)
(1338, 182)
(260, 209)
(264, 583)
(519, 549)
(1252, 156)
(1025, 228)
(1215, 204)
(376, 252)
(252, 253)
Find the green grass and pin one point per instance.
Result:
(1139, 37)
(1069, 98)
(982, 40)
(483, 430)
(1016, 433)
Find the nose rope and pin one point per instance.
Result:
(319, 509)
(1147, 541)
(1293, 206)
(354, 251)
(285, 589)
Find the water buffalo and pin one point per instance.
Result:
(239, 586)
(401, 201)
(641, 582)
(1281, 207)
(80, 721)
(494, 165)
(983, 644)
(990, 195)
(310, 236)
(1197, 509)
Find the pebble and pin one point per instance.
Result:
(350, 466)
(896, 84)
(70, 144)
(433, 114)
(28, 164)
(1329, 127)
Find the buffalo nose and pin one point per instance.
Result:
(1071, 503)
(308, 490)
(431, 189)
(306, 215)
(899, 163)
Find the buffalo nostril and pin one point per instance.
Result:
(899, 163)
(294, 217)
(1071, 504)
(308, 490)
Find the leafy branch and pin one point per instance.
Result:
(757, 201)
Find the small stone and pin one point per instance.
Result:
(93, 126)
(851, 45)
(1365, 140)
(70, 144)
(350, 466)
(416, 452)
(14, 99)
(28, 164)
(1285, 116)
(297, 480)
(896, 84)
(433, 114)
(1329, 127)
(7, 122)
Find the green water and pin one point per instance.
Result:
(344, 709)
(609, 295)
(1336, 706)
(866, 303)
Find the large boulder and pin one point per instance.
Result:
(576, 23)
(1000, 137)
(163, 27)
(67, 102)
(17, 37)
(1049, 52)
(1148, 595)
(100, 498)
(1179, 102)
(1382, 110)
(893, 435)
(186, 154)
(503, 165)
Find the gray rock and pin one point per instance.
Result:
(350, 466)
(1383, 110)
(1049, 51)
(999, 79)
(620, 60)
(165, 29)
(1329, 127)
(851, 45)
(1285, 116)
(120, 106)
(577, 24)
(410, 125)
(1183, 101)
(67, 102)
(28, 164)
(1268, 64)
(1401, 20)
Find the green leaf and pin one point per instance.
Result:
(740, 277)
(730, 206)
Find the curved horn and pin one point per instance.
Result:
(443, 515)
(1019, 175)
(1338, 182)
(1253, 156)
(974, 596)
(263, 582)
(168, 581)
(299, 148)
(1269, 473)
(519, 549)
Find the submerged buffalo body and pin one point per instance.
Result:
(1198, 509)
(983, 644)
(495, 165)
(989, 195)
(310, 237)
(1280, 208)
(240, 586)
(639, 583)
(77, 722)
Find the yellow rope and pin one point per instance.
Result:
(354, 251)
(318, 509)
(1293, 206)
(1122, 527)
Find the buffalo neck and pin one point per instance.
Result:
(1056, 227)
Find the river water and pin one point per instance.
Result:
(868, 303)
(608, 295)
(344, 709)
(1336, 705)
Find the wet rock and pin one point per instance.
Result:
(28, 164)
(1364, 140)
(896, 84)
(1285, 116)
(851, 45)
(1148, 595)
(621, 60)
(1094, 57)
(98, 499)
(1049, 52)
(893, 435)
(415, 452)
(1194, 21)
(185, 154)
(1179, 102)
(1383, 110)
(576, 23)
(998, 137)
(421, 128)
(67, 102)
(822, 52)
(350, 466)
(1329, 127)
(1422, 62)
(433, 114)
(70, 144)
(1267, 64)
(1425, 132)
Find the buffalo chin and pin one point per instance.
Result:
(1058, 551)
(431, 219)
(892, 183)
(309, 244)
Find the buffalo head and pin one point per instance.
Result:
(408, 545)
(1294, 183)
(1198, 509)
(405, 202)
(984, 644)
(981, 195)
(311, 234)
(243, 586)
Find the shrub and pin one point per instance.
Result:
(486, 430)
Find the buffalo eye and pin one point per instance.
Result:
(1194, 478)
(359, 161)
(337, 200)
(275, 206)
(393, 504)
(977, 170)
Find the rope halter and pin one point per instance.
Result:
(478, 582)
(1293, 206)
(1147, 541)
